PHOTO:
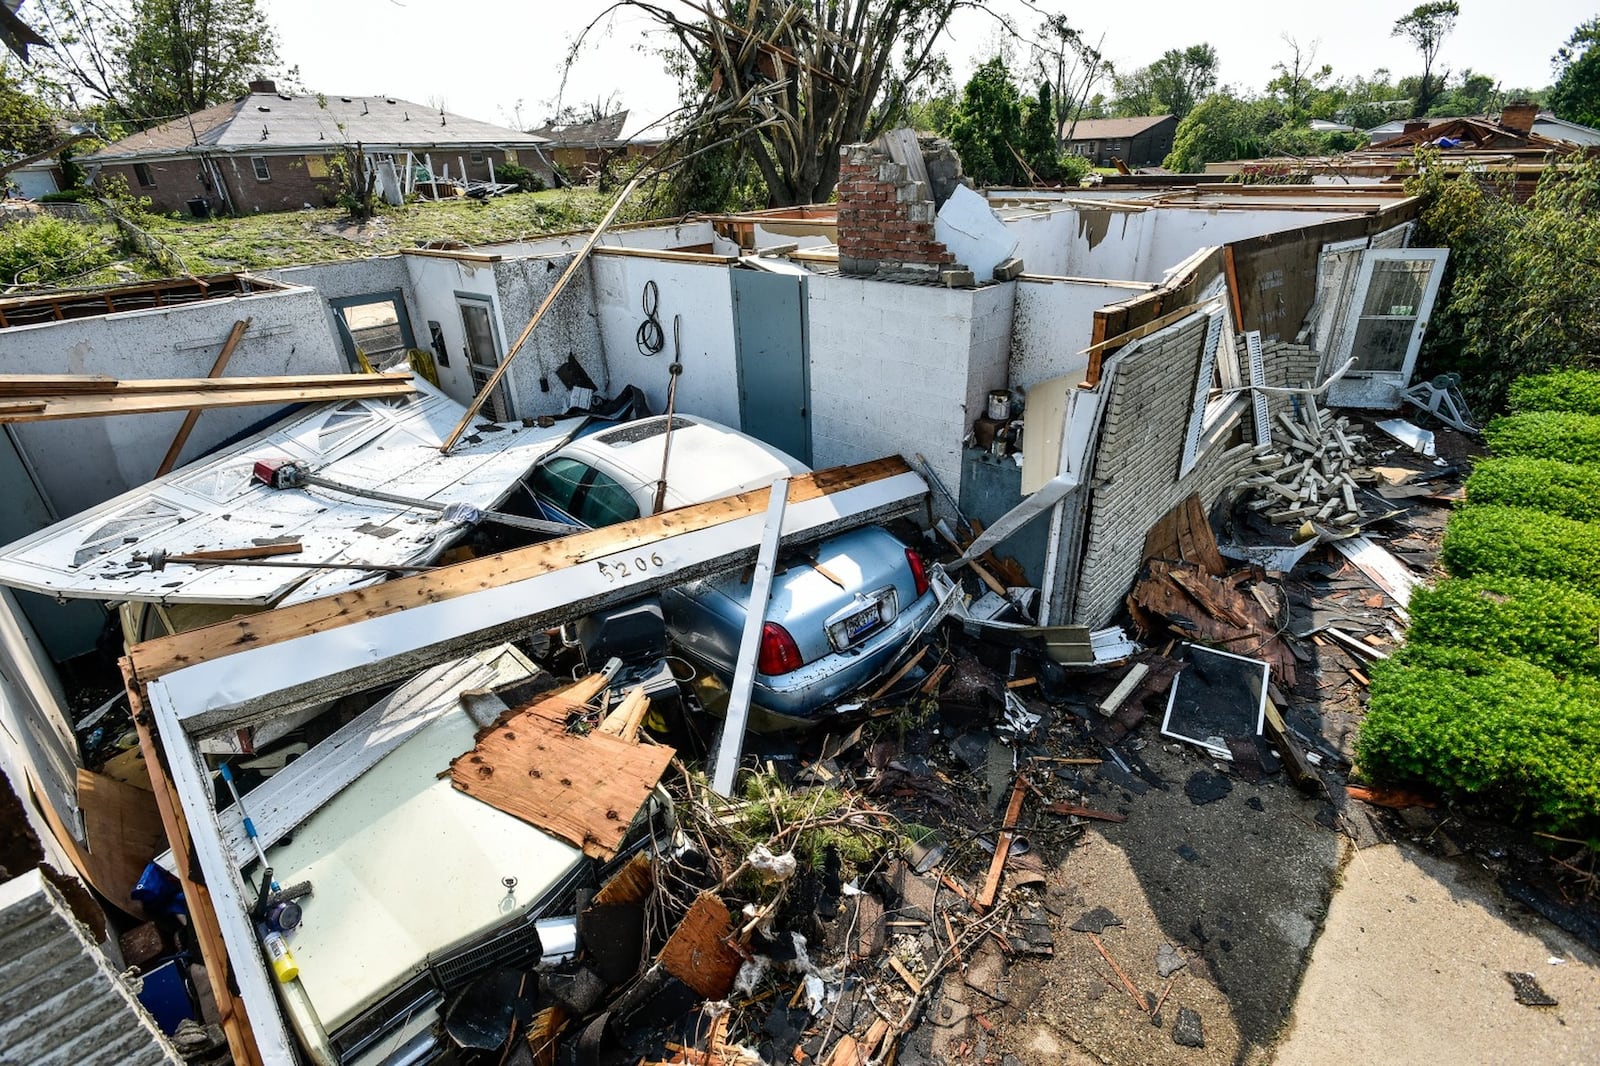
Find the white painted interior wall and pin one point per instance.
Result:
(1053, 323)
(1182, 231)
(84, 461)
(1071, 241)
(902, 369)
(698, 292)
(356, 277)
(435, 282)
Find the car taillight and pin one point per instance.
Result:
(779, 653)
(919, 572)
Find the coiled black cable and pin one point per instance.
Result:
(649, 337)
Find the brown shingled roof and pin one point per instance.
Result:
(1101, 129)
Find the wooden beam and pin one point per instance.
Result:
(669, 256)
(730, 743)
(1002, 846)
(203, 917)
(1153, 326)
(40, 386)
(171, 458)
(268, 663)
(53, 408)
(556, 290)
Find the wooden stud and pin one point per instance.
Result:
(1002, 846)
(189, 420)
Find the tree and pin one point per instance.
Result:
(1299, 79)
(1471, 94)
(152, 60)
(1576, 96)
(1426, 27)
(987, 126)
(791, 83)
(1519, 294)
(1172, 84)
(1039, 146)
(1222, 126)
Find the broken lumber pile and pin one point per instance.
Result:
(45, 397)
(1188, 603)
(1311, 472)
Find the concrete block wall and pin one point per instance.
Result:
(84, 461)
(1136, 472)
(903, 369)
(885, 222)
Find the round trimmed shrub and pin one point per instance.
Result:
(1488, 539)
(1564, 489)
(1572, 438)
(1577, 391)
(1547, 623)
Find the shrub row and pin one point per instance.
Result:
(1547, 623)
(1493, 728)
(1573, 438)
(1577, 391)
(1564, 489)
(1489, 539)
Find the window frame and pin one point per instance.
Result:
(142, 174)
(258, 164)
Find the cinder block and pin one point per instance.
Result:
(1008, 269)
(957, 278)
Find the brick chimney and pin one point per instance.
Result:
(1519, 116)
(885, 218)
(264, 85)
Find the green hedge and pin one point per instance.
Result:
(1547, 623)
(1572, 438)
(1495, 729)
(1487, 539)
(1564, 489)
(1577, 391)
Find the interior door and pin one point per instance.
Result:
(1382, 330)
(769, 312)
(483, 353)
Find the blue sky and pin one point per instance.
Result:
(482, 58)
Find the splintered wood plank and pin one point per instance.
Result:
(1002, 846)
(1184, 535)
(582, 788)
(40, 385)
(699, 952)
(156, 658)
(631, 884)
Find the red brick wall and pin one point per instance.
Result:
(884, 223)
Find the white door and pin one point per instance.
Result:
(483, 353)
(1383, 328)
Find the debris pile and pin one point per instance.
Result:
(1314, 474)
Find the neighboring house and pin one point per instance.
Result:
(582, 149)
(1138, 142)
(1519, 127)
(272, 151)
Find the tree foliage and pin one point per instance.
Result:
(1173, 84)
(1576, 96)
(1299, 79)
(793, 82)
(987, 126)
(1426, 26)
(1223, 126)
(1519, 296)
(151, 60)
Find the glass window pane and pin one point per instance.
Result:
(606, 502)
(558, 480)
(1397, 287)
(1381, 344)
(480, 335)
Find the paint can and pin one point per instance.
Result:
(999, 405)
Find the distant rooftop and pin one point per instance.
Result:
(269, 121)
(1100, 129)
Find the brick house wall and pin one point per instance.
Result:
(292, 182)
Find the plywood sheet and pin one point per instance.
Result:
(1184, 535)
(585, 788)
(698, 952)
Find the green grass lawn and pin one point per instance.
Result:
(292, 237)
(46, 251)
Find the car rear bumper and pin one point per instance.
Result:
(804, 693)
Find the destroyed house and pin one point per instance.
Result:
(278, 151)
(1068, 367)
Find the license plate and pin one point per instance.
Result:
(859, 624)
